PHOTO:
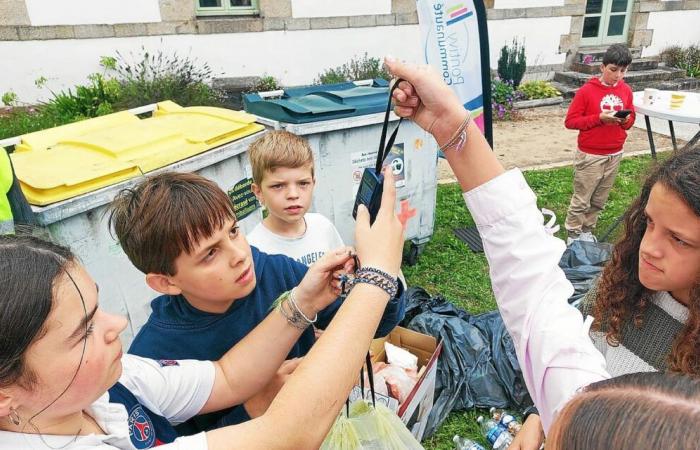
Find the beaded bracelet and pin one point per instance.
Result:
(460, 136)
(379, 278)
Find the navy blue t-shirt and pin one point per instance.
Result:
(177, 330)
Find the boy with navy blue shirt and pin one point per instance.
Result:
(216, 288)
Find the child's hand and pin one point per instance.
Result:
(609, 117)
(530, 436)
(627, 119)
(381, 244)
(320, 286)
(258, 404)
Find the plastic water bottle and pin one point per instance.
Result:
(506, 419)
(462, 443)
(496, 434)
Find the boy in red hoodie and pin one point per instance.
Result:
(600, 140)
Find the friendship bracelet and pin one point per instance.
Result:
(293, 301)
(379, 278)
(460, 136)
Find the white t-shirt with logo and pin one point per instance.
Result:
(176, 391)
(320, 237)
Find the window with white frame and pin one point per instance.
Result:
(227, 7)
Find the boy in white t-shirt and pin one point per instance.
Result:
(283, 181)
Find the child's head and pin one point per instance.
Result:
(660, 251)
(283, 174)
(180, 230)
(638, 410)
(59, 352)
(615, 62)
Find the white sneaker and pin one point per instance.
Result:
(587, 236)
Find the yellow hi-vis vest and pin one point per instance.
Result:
(6, 223)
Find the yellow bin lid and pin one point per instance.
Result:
(66, 161)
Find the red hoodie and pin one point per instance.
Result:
(596, 137)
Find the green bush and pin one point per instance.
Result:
(91, 100)
(538, 89)
(266, 83)
(9, 98)
(512, 63)
(363, 68)
(17, 122)
(686, 58)
(157, 77)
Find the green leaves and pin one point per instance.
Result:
(538, 89)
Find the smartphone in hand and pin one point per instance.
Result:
(623, 113)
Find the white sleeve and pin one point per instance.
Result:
(550, 336)
(195, 442)
(176, 392)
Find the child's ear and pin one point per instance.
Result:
(5, 403)
(161, 283)
(257, 192)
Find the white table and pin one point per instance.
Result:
(688, 113)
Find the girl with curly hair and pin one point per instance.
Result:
(647, 302)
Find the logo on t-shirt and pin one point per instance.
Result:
(141, 428)
(310, 258)
(611, 102)
(168, 362)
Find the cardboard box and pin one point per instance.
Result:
(414, 411)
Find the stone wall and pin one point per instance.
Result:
(179, 17)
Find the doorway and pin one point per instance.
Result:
(606, 22)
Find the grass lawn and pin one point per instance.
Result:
(447, 266)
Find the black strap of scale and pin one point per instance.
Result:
(385, 147)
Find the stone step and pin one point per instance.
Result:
(637, 65)
(567, 91)
(634, 79)
(595, 54)
(678, 84)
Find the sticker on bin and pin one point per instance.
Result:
(243, 200)
(361, 160)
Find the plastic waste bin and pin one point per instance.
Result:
(344, 145)
(71, 173)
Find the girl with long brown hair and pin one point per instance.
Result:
(647, 303)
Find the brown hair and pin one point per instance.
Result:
(621, 297)
(279, 148)
(30, 271)
(639, 410)
(165, 215)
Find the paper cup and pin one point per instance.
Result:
(650, 96)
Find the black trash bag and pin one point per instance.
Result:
(582, 263)
(477, 366)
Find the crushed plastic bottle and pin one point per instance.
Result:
(506, 419)
(462, 443)
(497, 435)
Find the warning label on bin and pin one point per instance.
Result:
(243, 199)
(360, 160)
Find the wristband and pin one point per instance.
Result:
(376, 277)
